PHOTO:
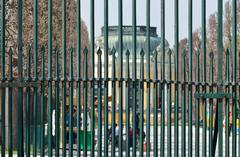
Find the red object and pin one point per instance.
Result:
(130, 132)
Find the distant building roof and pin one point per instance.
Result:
(127, 30)
(141, 40)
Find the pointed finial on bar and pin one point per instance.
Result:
(113, 51)
(28, 47)
(85, 51)
(155, 54)
(142, 53)
(227, 52)
(70, 50)
(56, 50)
(169, 52)
(197, 52)
(127, 53)
(211, 54)
(42, 48)
(183, 52)
(10, 51)
(99, 51)
(42, 52)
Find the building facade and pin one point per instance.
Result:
(141, 44)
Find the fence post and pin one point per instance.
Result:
(113, 79)
(234, 75)
(99, 100)
(162, 138)
(106, 78)
(3, 93)
(10, 95)
(169, 105)
(28, 111)
(20, 89)
(176, 62)
(70, 112)
(42, 102)
(183, 125)
(57, 102)
(211, 78)
(85, 95)
(197, 87)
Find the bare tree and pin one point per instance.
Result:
(212, 33)
(28, 21)
(227, 25)
(28, 34)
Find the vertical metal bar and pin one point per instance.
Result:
(141, 84)
(190, 78)
(99, 53)
(79, 111)
(234, 74)
(204, 78)
(85, 95)
(176, 62)
(106, 78)
(28, 79)
(169, 108)
(155, 96)
(20, 89)
(42, 112)
(92, 123)
(3, 77)
(35, 99)
(127, 84)
(134, 69)
(35, 78)
(183, 136)
(49, 39)
(218, 130)
(238, 91)
(57, 111)
(50, 78)
(227, 104)
(155, 101)
(211, 79)
(120, 75)
(78, 32)
(63, 118)
(113, 102)
(162, 9)
(35, 39)
(70, 102)
(2, 25)
(197, 104)
(220, 49)
(148, 79)
(10, 96)
(63, 109)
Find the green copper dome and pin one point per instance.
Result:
(141, 40)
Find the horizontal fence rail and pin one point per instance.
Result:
(61, 96)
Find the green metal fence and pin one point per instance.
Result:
(170, 117)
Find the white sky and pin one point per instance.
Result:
(155, 15)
